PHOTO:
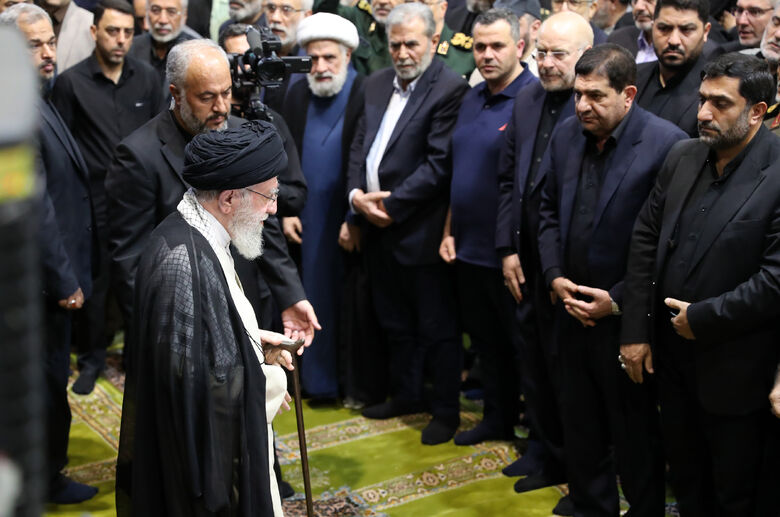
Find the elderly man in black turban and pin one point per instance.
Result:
(207, 380)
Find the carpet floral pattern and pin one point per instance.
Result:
(358, 467)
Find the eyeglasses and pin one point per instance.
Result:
(170, 11)
(287, 10)
(557, 55)
(271, 199)
(572, 3)
(752, 12)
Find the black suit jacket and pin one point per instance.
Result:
(414, 166)
(734, 278)
(683, 107)
(144, 185)
(514, 165)
(629, 176)
(67, 235)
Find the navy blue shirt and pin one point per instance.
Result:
(476, 142)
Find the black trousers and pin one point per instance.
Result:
(416, 311)
(540, 368)
(719, 465)
(56, 367)
(92, 331)
(604, 411)
(487, 314)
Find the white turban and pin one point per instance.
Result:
(328, 26)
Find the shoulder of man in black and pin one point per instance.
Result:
(626, 37)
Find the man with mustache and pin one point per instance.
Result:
(599, 167)
(397, 180)
(207, 379)
(144, 183)
(322, 113)
(102, 100)
(165, 20)
(538, 109)
(702, 299)
(668, 87)
(638, 38)
(66, 241)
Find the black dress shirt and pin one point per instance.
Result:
(100, 113)
(704, 193)
(593, 170)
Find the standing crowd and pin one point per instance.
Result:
(588, 189)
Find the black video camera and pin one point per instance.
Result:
(261, 67)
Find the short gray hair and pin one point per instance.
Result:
(405, 13)
(180, 56)
(183, 4)
(494, 15)
(307, 5)
(30, 12)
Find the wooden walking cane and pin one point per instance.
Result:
(292, 347)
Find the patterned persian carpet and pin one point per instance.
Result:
(358, 467)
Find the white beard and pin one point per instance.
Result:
(329, 88)
(246, 230)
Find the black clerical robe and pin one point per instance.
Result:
(194, 433)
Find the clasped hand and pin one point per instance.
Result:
(586, 312)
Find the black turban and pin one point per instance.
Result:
(234, 158)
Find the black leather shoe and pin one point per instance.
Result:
(538, 481)
(392, 408)
(564, 507)
(86, 381)
(438, 431)
(286, 490)
(71, 492)
(481, 433)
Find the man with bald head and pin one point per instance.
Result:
(538, 109)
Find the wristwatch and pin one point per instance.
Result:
(615, 308)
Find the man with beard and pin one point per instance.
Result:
(486, 308)
(397, 181)
(144, 183)
(537, 111)
(323, 114)
(71, 27)
(638, 38)
(599, 168)
(283, 19)
(165, 20)
(702, 298)
(102, 100)
(207, 380)
(669, 87)
(66, 243)
(454, 49)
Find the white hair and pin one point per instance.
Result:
(183, 4)
(30, 12)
